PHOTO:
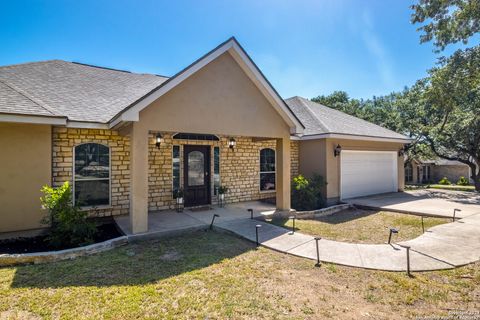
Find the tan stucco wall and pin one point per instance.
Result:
(218, 99)
(316, 156)
(25, 166)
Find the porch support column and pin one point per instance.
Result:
(138, 179)
(283, 173)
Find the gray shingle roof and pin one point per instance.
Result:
(13, 101)
(77, 91)
(319, 119)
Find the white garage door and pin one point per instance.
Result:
(367, 172)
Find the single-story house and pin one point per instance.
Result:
(432, 171)
(127, 142)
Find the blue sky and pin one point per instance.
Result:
(304, 48)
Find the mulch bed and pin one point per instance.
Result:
(38, 244)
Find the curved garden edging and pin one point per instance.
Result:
(315, 213)
(67, 254)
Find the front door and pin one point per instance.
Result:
(196, 168)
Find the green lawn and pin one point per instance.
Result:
(363, 226)
(451, 187)
(209, 275)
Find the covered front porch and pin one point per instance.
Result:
(197, 165)
(222, 96)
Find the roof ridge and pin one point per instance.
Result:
(321, 122)
(114, 69)
(41, 104)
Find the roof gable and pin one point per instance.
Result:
(131, 113)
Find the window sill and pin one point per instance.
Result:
(267, 191)
(102, 207)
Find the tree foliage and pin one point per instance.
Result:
(452, 106)
(447, 21)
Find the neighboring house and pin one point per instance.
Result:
(127, 141)
(432, 171)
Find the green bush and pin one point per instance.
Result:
(307, 194)
(69, 226)
(462, 181)
(444, 181)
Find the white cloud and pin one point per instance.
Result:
(377, 49)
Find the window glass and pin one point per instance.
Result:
(91, 161)
(409, 173)
(195, 136)
(216, 169)
(92, 175)
(196, 169)
(176, 168)
(267, 169)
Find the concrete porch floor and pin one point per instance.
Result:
(168, 222)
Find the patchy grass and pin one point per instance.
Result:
(363, 226)
(218, 276)
(452, 187)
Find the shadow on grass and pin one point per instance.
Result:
(135, 264)
(336, 218)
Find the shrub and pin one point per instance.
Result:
(222, 190)
(307, 195)
(444, 181)
(69, 226)
(462, 181)
(178, 193)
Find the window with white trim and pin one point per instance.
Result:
(91, 175)
(267, 169)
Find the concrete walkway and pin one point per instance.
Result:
(431, 202)
(441, 247)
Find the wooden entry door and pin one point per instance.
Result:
(196, 168)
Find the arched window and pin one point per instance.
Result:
(91, 175)
(267, 169)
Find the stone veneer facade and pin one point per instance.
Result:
(239, 168)
(65, 139)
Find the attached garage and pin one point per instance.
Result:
(363, 173)
(355, 158)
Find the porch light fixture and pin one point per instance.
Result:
(158, 140)
(232, 143)
(337, 150)
(401, 152)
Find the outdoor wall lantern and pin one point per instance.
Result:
(337, 150)
(158, 140)
(401, 152)
(232, 143)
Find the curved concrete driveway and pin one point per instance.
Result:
(430, 202)
(442, 247)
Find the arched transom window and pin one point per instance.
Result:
(92, 175)
(267, 169)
